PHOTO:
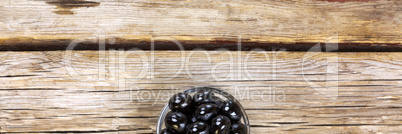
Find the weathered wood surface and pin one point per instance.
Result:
(34, 23)
(106, 92)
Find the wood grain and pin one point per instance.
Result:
(41, 24)
(124, 91)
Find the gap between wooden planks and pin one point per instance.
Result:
(373, 25)
(124, 91)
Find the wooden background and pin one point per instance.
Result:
(370, 25)
(124, 91)
(46, 90)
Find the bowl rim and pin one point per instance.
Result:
(225, 94)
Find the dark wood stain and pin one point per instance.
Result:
(65, 6)
(126, 44)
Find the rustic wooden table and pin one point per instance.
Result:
(282, 92)
(44, 89)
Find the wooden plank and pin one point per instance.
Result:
(124, 91)
(41, 24)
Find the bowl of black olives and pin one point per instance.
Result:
(203, 110)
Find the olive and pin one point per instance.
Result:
(167, 131)
(204, 95)
(220, 125)
(231, 109)
(218, 102)
(181, 102)
(176, 121)
(238, 128)
(206, 112)
(198, 128)
(192, 118)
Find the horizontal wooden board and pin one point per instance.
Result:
(124, 91)
(52, 24)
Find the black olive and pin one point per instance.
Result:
(218, 102)
(238, 128)
(176, 121)
(204, 95)
(167, 131)
(181, 102)
(220, 125)
(198, 128)
(206, 112)
(231, 109)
